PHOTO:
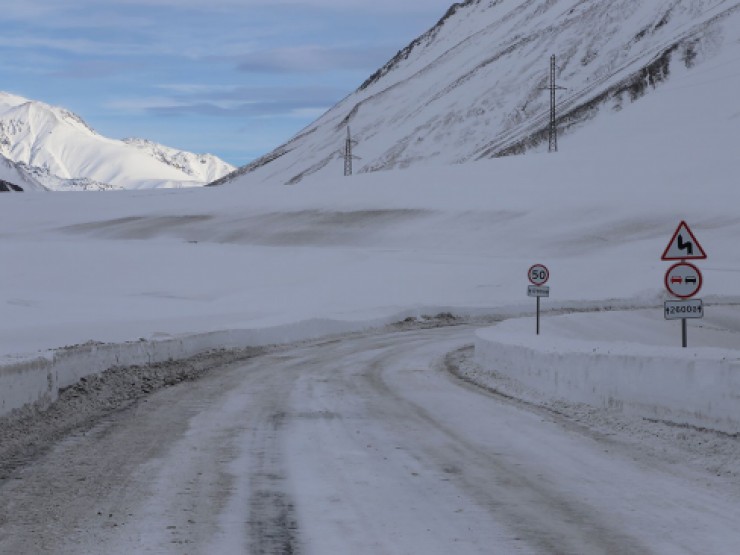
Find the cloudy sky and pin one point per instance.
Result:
(230, 77)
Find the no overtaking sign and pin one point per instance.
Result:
(683, 280)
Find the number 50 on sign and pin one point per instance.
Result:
(538, 274)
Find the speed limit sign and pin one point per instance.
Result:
(538, 274)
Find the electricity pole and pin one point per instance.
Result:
(553, 88)
(347, 153)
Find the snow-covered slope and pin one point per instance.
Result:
(14, 177)
(474, 86)
(59, 150)
(201, 167)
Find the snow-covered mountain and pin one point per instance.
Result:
(14, 178)
(201, 167)
(475, 85)
(57, 150)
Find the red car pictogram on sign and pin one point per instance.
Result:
(683, 280)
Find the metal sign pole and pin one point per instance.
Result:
(684, 333)
(538, 276)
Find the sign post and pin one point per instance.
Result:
(538, 276)
(683, 280)
(683, 310)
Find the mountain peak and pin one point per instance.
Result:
(57, 148)
(203, 167)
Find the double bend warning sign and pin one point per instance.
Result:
(683, 245)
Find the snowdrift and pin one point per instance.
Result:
(627, 361)
(38, 380)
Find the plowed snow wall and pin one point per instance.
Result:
(678, 389)
(37, 380)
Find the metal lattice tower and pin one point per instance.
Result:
(347, 153)
(553, 107)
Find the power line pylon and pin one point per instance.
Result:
(347, 153)
(553, 88)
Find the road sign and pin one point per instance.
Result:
(538, 291)
(678, 310)
(683, 280)
(538, 274)
(683, 245)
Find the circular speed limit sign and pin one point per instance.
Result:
(538, 274)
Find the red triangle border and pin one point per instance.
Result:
(696, 242)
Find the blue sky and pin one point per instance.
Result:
(231, 77)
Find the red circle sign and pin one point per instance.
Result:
(683, 280)
(538, 274)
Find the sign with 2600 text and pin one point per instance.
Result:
(677, 310)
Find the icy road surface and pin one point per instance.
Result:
(366, 445)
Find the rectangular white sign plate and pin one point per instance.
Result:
(538, 291)
(678, 310)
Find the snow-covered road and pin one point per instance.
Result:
(365, 445)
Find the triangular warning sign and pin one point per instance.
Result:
(683, 245)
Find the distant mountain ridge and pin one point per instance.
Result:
(55, 149)
(475, 85)
(202, 167)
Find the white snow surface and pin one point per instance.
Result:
(57, 149)
(11, 173)
(201, 167)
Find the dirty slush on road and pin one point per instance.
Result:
(87, 409)
(27, 433)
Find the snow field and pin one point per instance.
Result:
(170, 265)
(627, 360)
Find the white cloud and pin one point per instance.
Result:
(314, 58)
(144, 104)
(180, 59)
(196, 88)
(73, 45)
(310, 113)
(35, 9)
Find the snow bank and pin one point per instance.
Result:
(641, 369)
(38, 379)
